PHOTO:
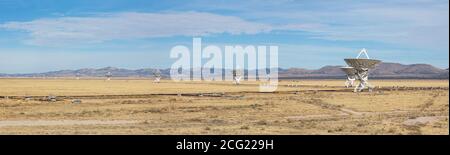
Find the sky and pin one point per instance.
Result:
(48, 35)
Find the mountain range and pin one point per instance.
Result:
(381, 71)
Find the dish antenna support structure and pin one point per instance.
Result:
(359, 70)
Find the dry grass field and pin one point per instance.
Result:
(139, 106)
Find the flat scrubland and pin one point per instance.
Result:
(139, 106)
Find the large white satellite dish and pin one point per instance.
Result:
(360, 68)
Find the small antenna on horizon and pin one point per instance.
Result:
(157, 75)
(77, 76)
(108, 76)
(237, 75)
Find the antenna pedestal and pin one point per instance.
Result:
(363, 78)
(350, 81)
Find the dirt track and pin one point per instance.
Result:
(62, 122)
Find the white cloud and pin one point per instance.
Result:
(425, 26)
(416, 23)
(132, 25)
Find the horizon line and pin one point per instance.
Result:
(445, 68)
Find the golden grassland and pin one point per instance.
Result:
(40, 87)
(308, 107)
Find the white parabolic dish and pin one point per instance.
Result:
(349, 70)
(362, 63)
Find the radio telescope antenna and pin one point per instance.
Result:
(351, 76)
(108, 76)
(361, 70)
(268, 77)
(157, 75)
(77, 76)
(237, 75)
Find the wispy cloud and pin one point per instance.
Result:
(414, 23)
(418, 26)
(419, 23)
(132, 25)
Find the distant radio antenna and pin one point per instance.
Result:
(157, 75)
(77, 76)
(108, 76)
(237, 75)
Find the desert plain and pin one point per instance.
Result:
(297, 107)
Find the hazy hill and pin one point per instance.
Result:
(383, 70)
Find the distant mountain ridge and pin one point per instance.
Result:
(383, 70)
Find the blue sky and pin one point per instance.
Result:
(45, 35)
